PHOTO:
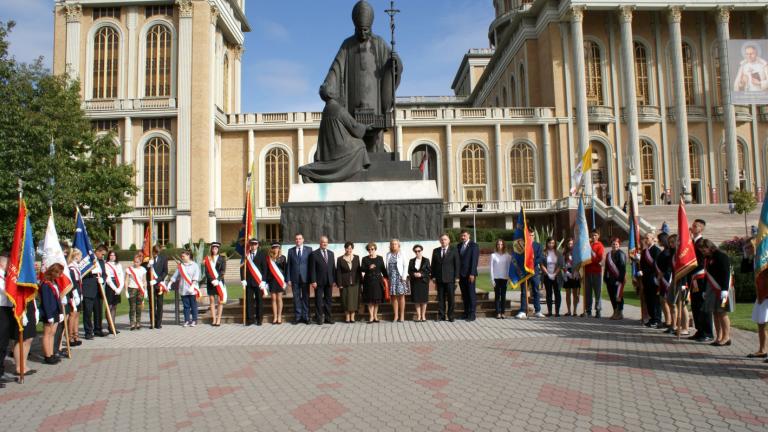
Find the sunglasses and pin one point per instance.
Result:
(417, 250)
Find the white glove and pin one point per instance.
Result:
(263, 286)
(96, 269)
(244, 283)
(76, 298)
(64, 300)
(723, 295)
(215, 282)
(153, 282)
(128, 296)
(640, 273)
(24, 320)
(152, 262)
(50, 320)
(61, 317)
(100, 280)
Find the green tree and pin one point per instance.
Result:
(39, 109)
(744, 202)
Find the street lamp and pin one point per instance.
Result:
(474, 209)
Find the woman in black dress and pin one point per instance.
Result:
(275, 278)
(571, 278)
(374, 271)
(348, 280)
(418, 275)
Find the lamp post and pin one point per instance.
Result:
(474, 209)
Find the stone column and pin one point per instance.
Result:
(126, 221)
(674, 16)
(183, 147)
(630, 92)
(235, 93)
(499, 160)
(723, 17)
(399, 138)
(299, 152)
(133, 57)
(449, 195)
(251, 149)
(546, 156)
(580, 86)
(216, 93)
(73, 12)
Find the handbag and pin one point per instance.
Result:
(385, 282)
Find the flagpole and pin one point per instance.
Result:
(21, 328)
(151, 287)
(109, 314)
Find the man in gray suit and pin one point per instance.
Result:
(298, 263)
(445, 274)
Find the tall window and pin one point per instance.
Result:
(594, 72)
(647, 161)
(694, 159)
(425, 156)
(158, 62)
(642, 81)
(225, 83)
(716, 68)
(522, 172)
(277, 178)
(740, 160)
(106, 45)
(157, 173)
(688, 78)
(162, 232)
(272, 233)
(473, 176)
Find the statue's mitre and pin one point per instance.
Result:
(362, 14)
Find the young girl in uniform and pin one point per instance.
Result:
(136, 284)
(51, 313)
(188, 275)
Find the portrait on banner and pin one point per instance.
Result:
(749, 71)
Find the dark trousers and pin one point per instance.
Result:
(253, 304)
(92, 309)
(701, 319)
(652, 304)
(552, 293)
(323, 296)
(613, 294)
(158, 310)
(446, 291)
(468, 297)
(301, 300)
(60, 330)
(500, 295)
(6, 324)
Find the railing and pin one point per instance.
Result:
(743, 114)
(645, 114)
(157, 212)
(424, 113)
(146, 104)
(236, 213)
(415, 100)
(600, 113)
(763, 113)
(695, 113)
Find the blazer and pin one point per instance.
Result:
(649, 269)
(91, 283)
(161, 267)
(274, 285)
(50, 305)
(718, 267)
(445, 269)
(424, 269)
(620, 259)
(220, 266)
(402, 265)
(298, 267)
(320, 272)
(469, 254)
(347, 275)
(260, 260)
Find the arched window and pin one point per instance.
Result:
(600, 171)
(425, 156)
(594, 73)
(647, 161)
(694, 158)
(276, 176)
(740, 160)
(642, 75)
(225, 83)
(157, 81)
(473, 176)
(106, 45)
(688, 76)
(522, 172)
(157, 173)
(717, 75)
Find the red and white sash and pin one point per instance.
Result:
(221, 289)
(115, 277)
(139, 286)
(252, 269)
(162, 288)
(186, 278)
(717, 289)
(275, 270)
(647, 258)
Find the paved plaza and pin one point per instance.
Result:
(565, 374)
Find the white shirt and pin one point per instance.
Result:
(500, 265)
(4, 301)
(141, 275)
(551, 264)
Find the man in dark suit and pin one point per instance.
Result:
(297, 277)
(159, 264)
(697, 282)
(253, 287)
(445, 274)
(469, 253)
(322, 267)
(92, 301)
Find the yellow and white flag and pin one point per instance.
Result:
(584, 165)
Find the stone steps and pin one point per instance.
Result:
(721, 224)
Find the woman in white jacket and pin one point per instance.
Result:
(397, 269)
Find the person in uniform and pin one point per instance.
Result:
(115, 282)
(188, 276)
(51, 313)
(664, 275)
(719, 297)
(698, 282)
(6, 319)
(650, 282)
(615, 277)
(75, 296)
(252, 280)
(93, 283)
(215, 265)
(136, 284)
(275, 279)
(157, 272)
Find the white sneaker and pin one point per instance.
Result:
(193, 324)
(539, 315)
(186, 323)
(521, 315)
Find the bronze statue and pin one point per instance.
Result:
(361, 75)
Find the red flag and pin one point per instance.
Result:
(685, 256)
(20, 277)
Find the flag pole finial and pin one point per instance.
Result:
(21, 188)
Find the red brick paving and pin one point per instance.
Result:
(318, 412)
(433, 384)
(66, 419)
(567, 399)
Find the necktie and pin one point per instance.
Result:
(299, 251)
(443, 254)
(325, 257)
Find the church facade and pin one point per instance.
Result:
(165, 78)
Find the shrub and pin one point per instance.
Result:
(744, 283)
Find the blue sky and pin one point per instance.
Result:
(292, 43)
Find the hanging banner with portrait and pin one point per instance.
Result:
(749, 71)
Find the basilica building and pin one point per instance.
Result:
(640, 83)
